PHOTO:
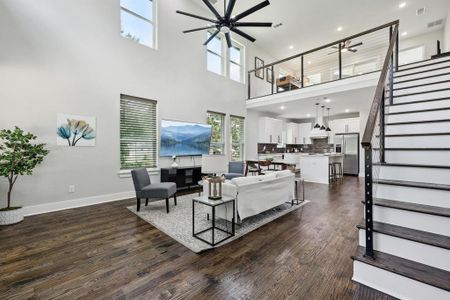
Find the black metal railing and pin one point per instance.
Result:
(354, 55)
(373, 140)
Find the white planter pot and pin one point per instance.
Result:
(9, 217)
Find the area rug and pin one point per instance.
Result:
(178, 223)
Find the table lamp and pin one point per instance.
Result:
(215, 166)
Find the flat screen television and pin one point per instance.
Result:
(184, 138)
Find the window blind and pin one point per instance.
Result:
(138, 133)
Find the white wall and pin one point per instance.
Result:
(447, 33)
(68, 57)
(428, 40)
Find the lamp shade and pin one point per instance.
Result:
(214, 164)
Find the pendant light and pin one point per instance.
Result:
(328, 120)
(323, 117)
(317, 116)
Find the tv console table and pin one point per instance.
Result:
(184, 177)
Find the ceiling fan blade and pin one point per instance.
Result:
(228, 38)
(352, 50)
(195, 16)
(335, 47)
(333, 52)
(251, 10)
(230, 9)
(243, 34)
(198, 29)
(211, 37)
(252, 24)
(212, 9)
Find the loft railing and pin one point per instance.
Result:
(373, 140)
(354, 55)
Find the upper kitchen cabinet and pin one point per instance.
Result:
(304, 130)
(270, 130)
(292, 133)
(345, 125)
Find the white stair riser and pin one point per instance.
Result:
(421, 75)
(438, 158)
(419, 116)
(431, 197)
(423, 68)
(419, 89)
(422, 253)
(413, 220)
(438, 141)
(430, 175)
(426, 96)
(419, 106)
(395, 285)
(423, 62)
(400, 84)
(419, 128)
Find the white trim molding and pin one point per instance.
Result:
(75, 203)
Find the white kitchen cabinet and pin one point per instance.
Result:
(292, 133)
(345, 125)
(270, 130)
(304, 130)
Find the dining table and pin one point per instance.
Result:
(276, 164)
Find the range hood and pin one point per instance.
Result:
(319, 132)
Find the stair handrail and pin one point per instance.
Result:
(377, 112)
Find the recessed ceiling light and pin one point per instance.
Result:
(402, 5)
(339, 28)
(347, 110)
(327, 100)
(404, 33)
(282, 107)
(308, 115)
(309, 62)
(291, 47)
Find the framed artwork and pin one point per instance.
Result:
(75, 131)
(259, 63)
(269, 75)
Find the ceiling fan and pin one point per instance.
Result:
(227, 22)
(347, 46)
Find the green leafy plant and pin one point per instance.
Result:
(18, 156)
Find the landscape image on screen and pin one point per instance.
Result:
(184, 139)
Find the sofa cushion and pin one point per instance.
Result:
(270, 176)
(239, 181)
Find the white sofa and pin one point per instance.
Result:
(256, 194)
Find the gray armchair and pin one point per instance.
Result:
(154, 191)
(235, 169)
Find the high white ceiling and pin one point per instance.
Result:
(311, 23)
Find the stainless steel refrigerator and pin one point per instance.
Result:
(348, 145)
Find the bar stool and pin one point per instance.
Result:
(338, 172)
(254, 169)
(331, 172)
(299, 181)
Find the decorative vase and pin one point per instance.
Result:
(13, 216)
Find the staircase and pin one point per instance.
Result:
(407, 205)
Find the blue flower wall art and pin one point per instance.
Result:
(74, 131)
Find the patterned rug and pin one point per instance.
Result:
(178, 223)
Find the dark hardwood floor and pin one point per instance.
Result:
(105, 251)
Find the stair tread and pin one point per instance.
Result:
(415, 207)
(418, 122)
(421, 85)
(417, 111)
(422, 92)
(398, 74)
(421, 66)
(411, 165)
(420, 78)
(425, 185)
(418, 101)
(414, 149)
(414, 235)
(416, 134)
(420, 272)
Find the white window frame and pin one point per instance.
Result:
(226, 58)
(153, 22)
(220, 143)
(241, 142)
(411, 48)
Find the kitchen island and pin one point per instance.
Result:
(315, 167)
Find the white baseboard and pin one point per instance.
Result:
(61, 205)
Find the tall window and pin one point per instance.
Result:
(138, 21)
(138, 133)
(223, 60)
(237, 138)
(217, 122)
(214, 55)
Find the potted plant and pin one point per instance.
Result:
(18, 156)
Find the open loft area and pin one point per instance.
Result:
(225, 149)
